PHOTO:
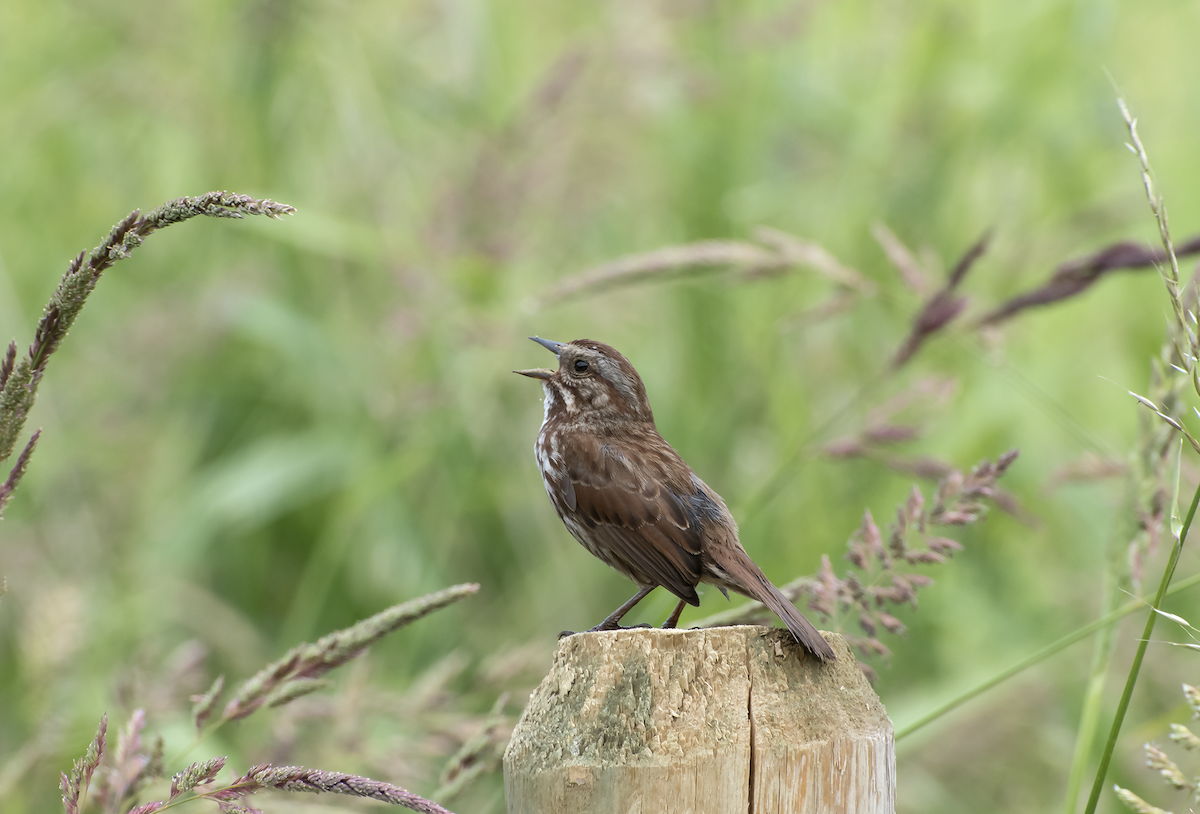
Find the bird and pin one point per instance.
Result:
(630, 499)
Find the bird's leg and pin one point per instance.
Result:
(614, 619)
(673, 619)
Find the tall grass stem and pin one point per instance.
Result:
(1131, 680)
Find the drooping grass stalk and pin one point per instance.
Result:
(19, 380)
(315, 781)
(1131, 680)
(1038, 657)
(300, 671)
(274, 684)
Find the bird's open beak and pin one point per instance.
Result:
(541, 372)
(553, 347)
(536, 373)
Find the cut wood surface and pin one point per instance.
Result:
(731, 719)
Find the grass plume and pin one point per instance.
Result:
(75, 786)
(1077, 275)
(884, 567)
(1159, 762)
(943, 307)
(296, 674)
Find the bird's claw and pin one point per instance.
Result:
(614, 626)
(600, 628)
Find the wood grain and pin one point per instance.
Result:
(730, 719)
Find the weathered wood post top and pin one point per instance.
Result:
(731, 719)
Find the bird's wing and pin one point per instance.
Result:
(628, 501)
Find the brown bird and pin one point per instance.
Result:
(627, 496)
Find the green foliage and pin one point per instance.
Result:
(260, 432)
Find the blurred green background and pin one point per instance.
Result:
(262, 431)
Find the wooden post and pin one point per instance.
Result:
(731, 719)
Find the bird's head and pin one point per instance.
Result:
(592, 378)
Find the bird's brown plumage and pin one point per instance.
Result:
(628, 496)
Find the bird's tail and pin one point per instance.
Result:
(748, 579)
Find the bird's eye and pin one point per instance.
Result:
(580, 366)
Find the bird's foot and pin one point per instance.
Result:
(614, 626)
(603, 626)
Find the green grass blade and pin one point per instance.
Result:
(1168, 572)
(1040, 656)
